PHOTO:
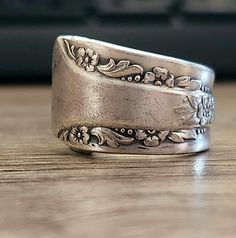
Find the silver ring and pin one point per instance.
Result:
(109, 98)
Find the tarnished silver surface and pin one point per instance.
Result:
(108, 98)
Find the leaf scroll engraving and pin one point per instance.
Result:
(70, 50)
(180, 136)
(122, 69)
(125, 70)
(188, 83)
(110, 137)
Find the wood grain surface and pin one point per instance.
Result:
(48, 191)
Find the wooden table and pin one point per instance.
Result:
(46, 190)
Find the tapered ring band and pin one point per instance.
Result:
(108, 98)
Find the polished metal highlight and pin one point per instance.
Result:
(109, 98)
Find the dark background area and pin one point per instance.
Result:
(199, 30)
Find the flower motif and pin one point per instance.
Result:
(152, 141)
(160, 73)
(87, 58)
(159, 77)
(148, 77)
(206, 110)
(140, 135)
(163, 77)
(79, 135)
(148, 137)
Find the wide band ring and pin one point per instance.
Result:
(108, 98)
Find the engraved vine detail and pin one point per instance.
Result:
(125, 70)
(102, 136)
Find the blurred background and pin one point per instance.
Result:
(199, 30)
